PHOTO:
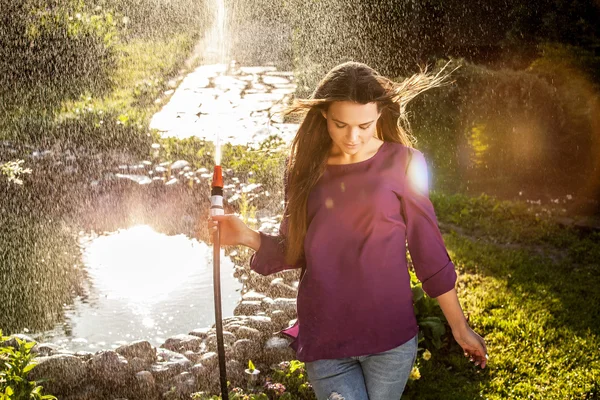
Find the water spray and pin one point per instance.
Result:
(216, 208)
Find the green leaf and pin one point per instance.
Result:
(418, 293)
(29, 367)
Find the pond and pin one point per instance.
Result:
(142, 285)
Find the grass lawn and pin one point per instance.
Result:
(532, 289)
(145, 67)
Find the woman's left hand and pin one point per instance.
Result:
(473, 345)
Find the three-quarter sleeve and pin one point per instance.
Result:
(270, 256)
(431, 261)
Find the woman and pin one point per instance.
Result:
(356, 193)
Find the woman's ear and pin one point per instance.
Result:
(324, 113)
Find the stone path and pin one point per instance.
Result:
(241, 104)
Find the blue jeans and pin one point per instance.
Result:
(380, 376)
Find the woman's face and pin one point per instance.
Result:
(351, 125)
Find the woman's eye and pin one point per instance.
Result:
(343, 126)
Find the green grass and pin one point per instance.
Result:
(538, 313)
(119, 118)
(145, 67)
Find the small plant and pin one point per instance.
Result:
(15, 365)
(430, 318)
(12, 170)
(288, 381)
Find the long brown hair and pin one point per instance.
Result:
(350, 81)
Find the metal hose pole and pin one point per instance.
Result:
(216, 208)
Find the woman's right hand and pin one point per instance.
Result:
(233, 230)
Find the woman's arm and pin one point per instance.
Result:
(431, 261)
(473, 345)
(251, 239)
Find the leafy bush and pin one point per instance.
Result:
(430, 318)
(15, 365)
(50, 53)
(501, 128)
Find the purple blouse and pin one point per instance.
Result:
(355, 296)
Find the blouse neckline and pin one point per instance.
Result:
(350, 165)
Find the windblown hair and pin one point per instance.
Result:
(350, 81)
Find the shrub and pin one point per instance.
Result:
(518, 128)
(15, 365)
(53, 53)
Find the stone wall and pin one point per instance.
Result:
(185, 363)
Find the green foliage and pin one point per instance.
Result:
(506, 222)
(63, 48)
(198, 152)
(40, 267)
(430, 318)
(264, 163)
(287, 381)
(506, 130)
(571, 22)
(567, 64)
(13, 169)
(526, 295)
(147, 18)
(15, 365)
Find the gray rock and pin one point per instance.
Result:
(181, 343)
(107, 367)
(165, 371)
(228, 339)
(145, 385)
(179, 164)
(166, 355)
(245, 349)
(139, 364)
(193, 357)
(238, 319)
(200, 332)
(248, 307)
(199, 370)
(46, 349)
(210, 360)
(84, 355)
(280, 318)
(281, 289)
(185, 384)
(63, 372)
(262, 323)
(276, 350)
(285, 304)
(268, 302)
(140, 349)
(232, 327)
(87, 392)
(235, 372)
(245, 332)
(253, 296)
